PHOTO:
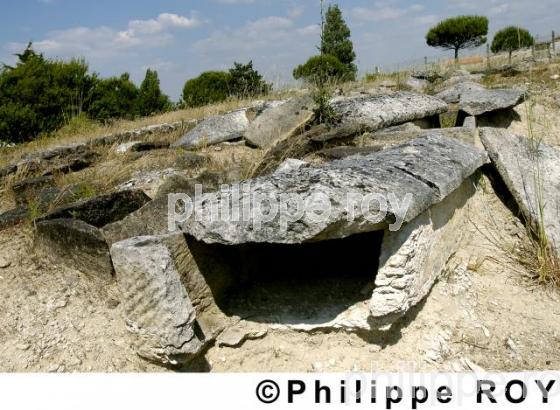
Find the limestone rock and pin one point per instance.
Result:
(237, 335)
(521, 163)
(156, 304)
(77, 244)
(413, 258)
(13, 217)
(279, 122)
(476, 100)
(29, 189)
(427, 168)
(343, 152)
(372, 113)
(216, 129)
(289, 165)
(101, 210)
(138, 146)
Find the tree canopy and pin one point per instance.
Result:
(150, 98)
(336, 41)
(322, 68)
(511, 39)
(459, 33)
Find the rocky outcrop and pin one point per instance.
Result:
(139, 146)
(372, 113)
(428, 169)
(77, 244)
(531, 171)
(216, 129)
(475, 100)
(101, 210)
(413, 258)
(157, 308)
(72, 233)
(279, 122)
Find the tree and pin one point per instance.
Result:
(336, 41)
(511, 39)
(38, 95)
(150, 98)
(115, 97)
(327, 66)
(459, 33)
(208, 88)
(246, 82)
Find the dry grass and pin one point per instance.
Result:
(82, 129)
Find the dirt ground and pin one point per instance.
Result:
(485, 312)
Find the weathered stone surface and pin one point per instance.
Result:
(139, 146)
(30, 189)
(289, 165)
(151, 219)
(156, 304)
(531, 171)
(343, 152)
(375, 112)
(463, 134)
(279, 122)
(413, 258)
(216, 129)
(476, 100)
(428, 168)
(237, 335)
(13, 217)
(77, 244)
(101, 210)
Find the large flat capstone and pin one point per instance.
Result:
(531, 171)
(372, 113)
(216, 129)
(335, 200)
(475, 100)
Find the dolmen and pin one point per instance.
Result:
(415, 195)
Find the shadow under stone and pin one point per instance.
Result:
(309, 283)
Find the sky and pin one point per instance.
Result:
(182, 38)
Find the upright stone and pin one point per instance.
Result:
(531, 171)
(279, 122)
(157, 308)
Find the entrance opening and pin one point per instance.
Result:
(308, 283)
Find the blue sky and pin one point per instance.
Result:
(181, 38)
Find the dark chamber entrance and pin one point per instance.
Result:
(290, 284)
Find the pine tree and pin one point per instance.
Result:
(336, 39)
(150, 99)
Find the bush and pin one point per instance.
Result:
(39, 95)
(208, 88)
(114, 97)
(459, 33)
(246, 82)
(321, 69)
(150, 98)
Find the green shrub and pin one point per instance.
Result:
(114, 97)
(208, 88)
(322, 68)
(39, 95)
(150, 98)
(245, 81)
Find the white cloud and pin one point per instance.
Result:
(104, 41)
(384, 11)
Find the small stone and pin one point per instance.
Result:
(4, 263)
(23, 346)
(555, 77)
